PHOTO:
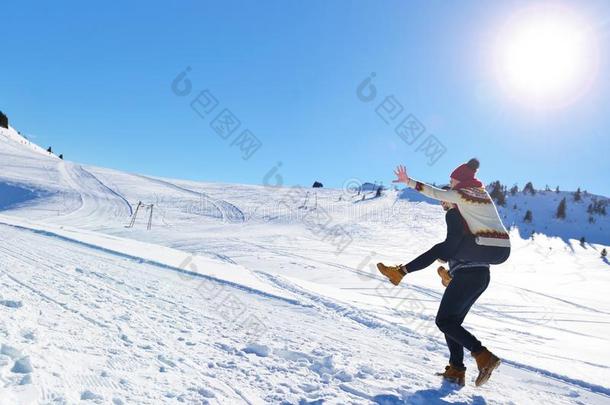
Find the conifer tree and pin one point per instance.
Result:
(561, 209)
(498, 193)
(577, 196)
(529, 188)
(3, 120)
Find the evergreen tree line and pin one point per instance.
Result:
(3, 120)
(499, 192)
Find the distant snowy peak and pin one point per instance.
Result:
(14, 136)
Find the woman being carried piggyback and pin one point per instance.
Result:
(475, 239)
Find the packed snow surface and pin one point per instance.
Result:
(253, 295)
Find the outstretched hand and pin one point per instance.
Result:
(401, 175)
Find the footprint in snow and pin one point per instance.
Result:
(10, 351)
(166, 361)
(257, 349)
(90, 396)
(206, 393)
(26, 380)
(11, 304)
(22, 366)
(28, 335)
(126, 339)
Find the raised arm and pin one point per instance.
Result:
(427, 190)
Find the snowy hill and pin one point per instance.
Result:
(594, 227)
(11, 135)
(252, 294)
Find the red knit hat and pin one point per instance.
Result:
(465, 174)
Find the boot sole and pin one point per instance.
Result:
(457, 381)
(486, 374)
(461, 381)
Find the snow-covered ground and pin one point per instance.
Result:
(252, 294)
(594, 227)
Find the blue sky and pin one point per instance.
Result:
(94, 80)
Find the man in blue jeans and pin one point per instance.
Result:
(466, 286)
(466, 281)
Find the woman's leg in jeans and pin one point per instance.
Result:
(467, 285)
(425, 259)
(456, 352)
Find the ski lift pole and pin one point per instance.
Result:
(304, 206)
(134, 216)
(150, 217)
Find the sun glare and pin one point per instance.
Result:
(546, 56)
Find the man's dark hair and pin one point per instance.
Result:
(473, 163)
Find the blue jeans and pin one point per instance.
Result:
(466, 287)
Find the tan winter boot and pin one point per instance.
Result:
(445, 276)
(394, 273)
(454, 375)
(487, 362)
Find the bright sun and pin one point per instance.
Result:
(546, 56)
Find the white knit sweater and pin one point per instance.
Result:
(477, 209)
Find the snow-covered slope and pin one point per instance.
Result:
(11, 135)
(251, 294)
(578, 223)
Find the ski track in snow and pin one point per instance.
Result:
(73, 286)
(137, 326)
(480, 308)
(111, 191)
(228, 211)
(138, 259)
(97, 199)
